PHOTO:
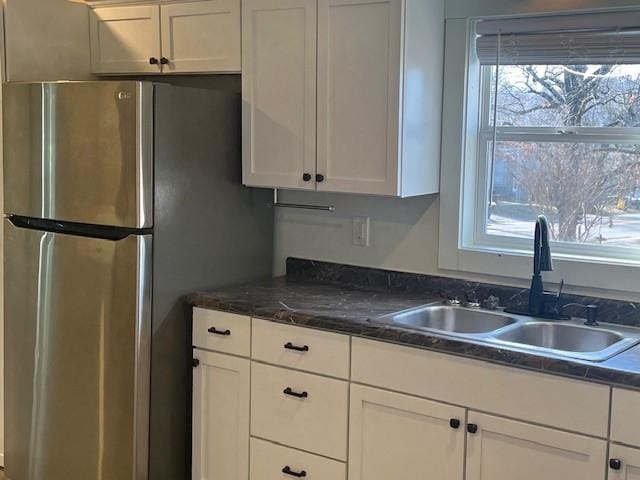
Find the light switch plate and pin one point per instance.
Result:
(361, 231)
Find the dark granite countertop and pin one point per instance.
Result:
(357, 311)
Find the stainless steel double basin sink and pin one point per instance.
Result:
(564, 338)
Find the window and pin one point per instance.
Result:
(559, 134)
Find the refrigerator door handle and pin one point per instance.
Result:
(76, 229)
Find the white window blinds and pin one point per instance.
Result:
(611, 38)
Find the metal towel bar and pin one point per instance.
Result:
(277, 204)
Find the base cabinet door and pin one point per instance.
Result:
(500, 449)
(201, 36)
(394, 436)
(624, 463)
(221, 385)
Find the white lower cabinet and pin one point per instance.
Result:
(270, 461)
(394, 436)
(319, 406)
(624, 463)
(221, 387)
(501, 449)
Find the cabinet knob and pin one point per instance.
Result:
(195, 362)
(164, 61)
(615, 464)
(454, 423)
(472, 428)
(319, 178)
(287, 471)
(215, 331)
(306, 177)
(153, 61)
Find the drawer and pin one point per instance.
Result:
(625, 417)
(302, 348)
(269, 461)
(507, 391)
(316, 422)
(222, 332)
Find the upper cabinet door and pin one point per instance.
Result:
(201, 36)
(503, 449)
(279, 93)
(404, 438)
(124, 39)
(359, 65)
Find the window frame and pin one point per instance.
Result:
(462, 246)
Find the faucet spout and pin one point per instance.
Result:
(541, 263)
(541, 251)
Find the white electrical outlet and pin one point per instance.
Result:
(361, 229)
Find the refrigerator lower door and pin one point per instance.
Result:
(79, 152)
(77, 329)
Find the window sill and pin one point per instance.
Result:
(592, 273)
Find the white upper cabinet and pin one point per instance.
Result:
(124, 38)
(279, 93)
(377, 65)
(201, 36)
(501, 449)
(394, 436)
(166, 37)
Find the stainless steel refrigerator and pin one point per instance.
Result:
(120, 198)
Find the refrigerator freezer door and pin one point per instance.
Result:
(77, 329)
(79, 152)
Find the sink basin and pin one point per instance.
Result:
(453, 319)
(569, 339)
(566, 338)
(558, 336)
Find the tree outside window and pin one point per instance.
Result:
(567, 145)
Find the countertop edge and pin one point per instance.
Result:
(365, 328)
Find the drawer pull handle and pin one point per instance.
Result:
(287, 470)
(291, 346)
(215, 331)
(291, 393)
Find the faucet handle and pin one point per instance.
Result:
(561, 287)
(453, 301)
(491, 303)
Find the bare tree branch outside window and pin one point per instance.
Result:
(589, 189)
